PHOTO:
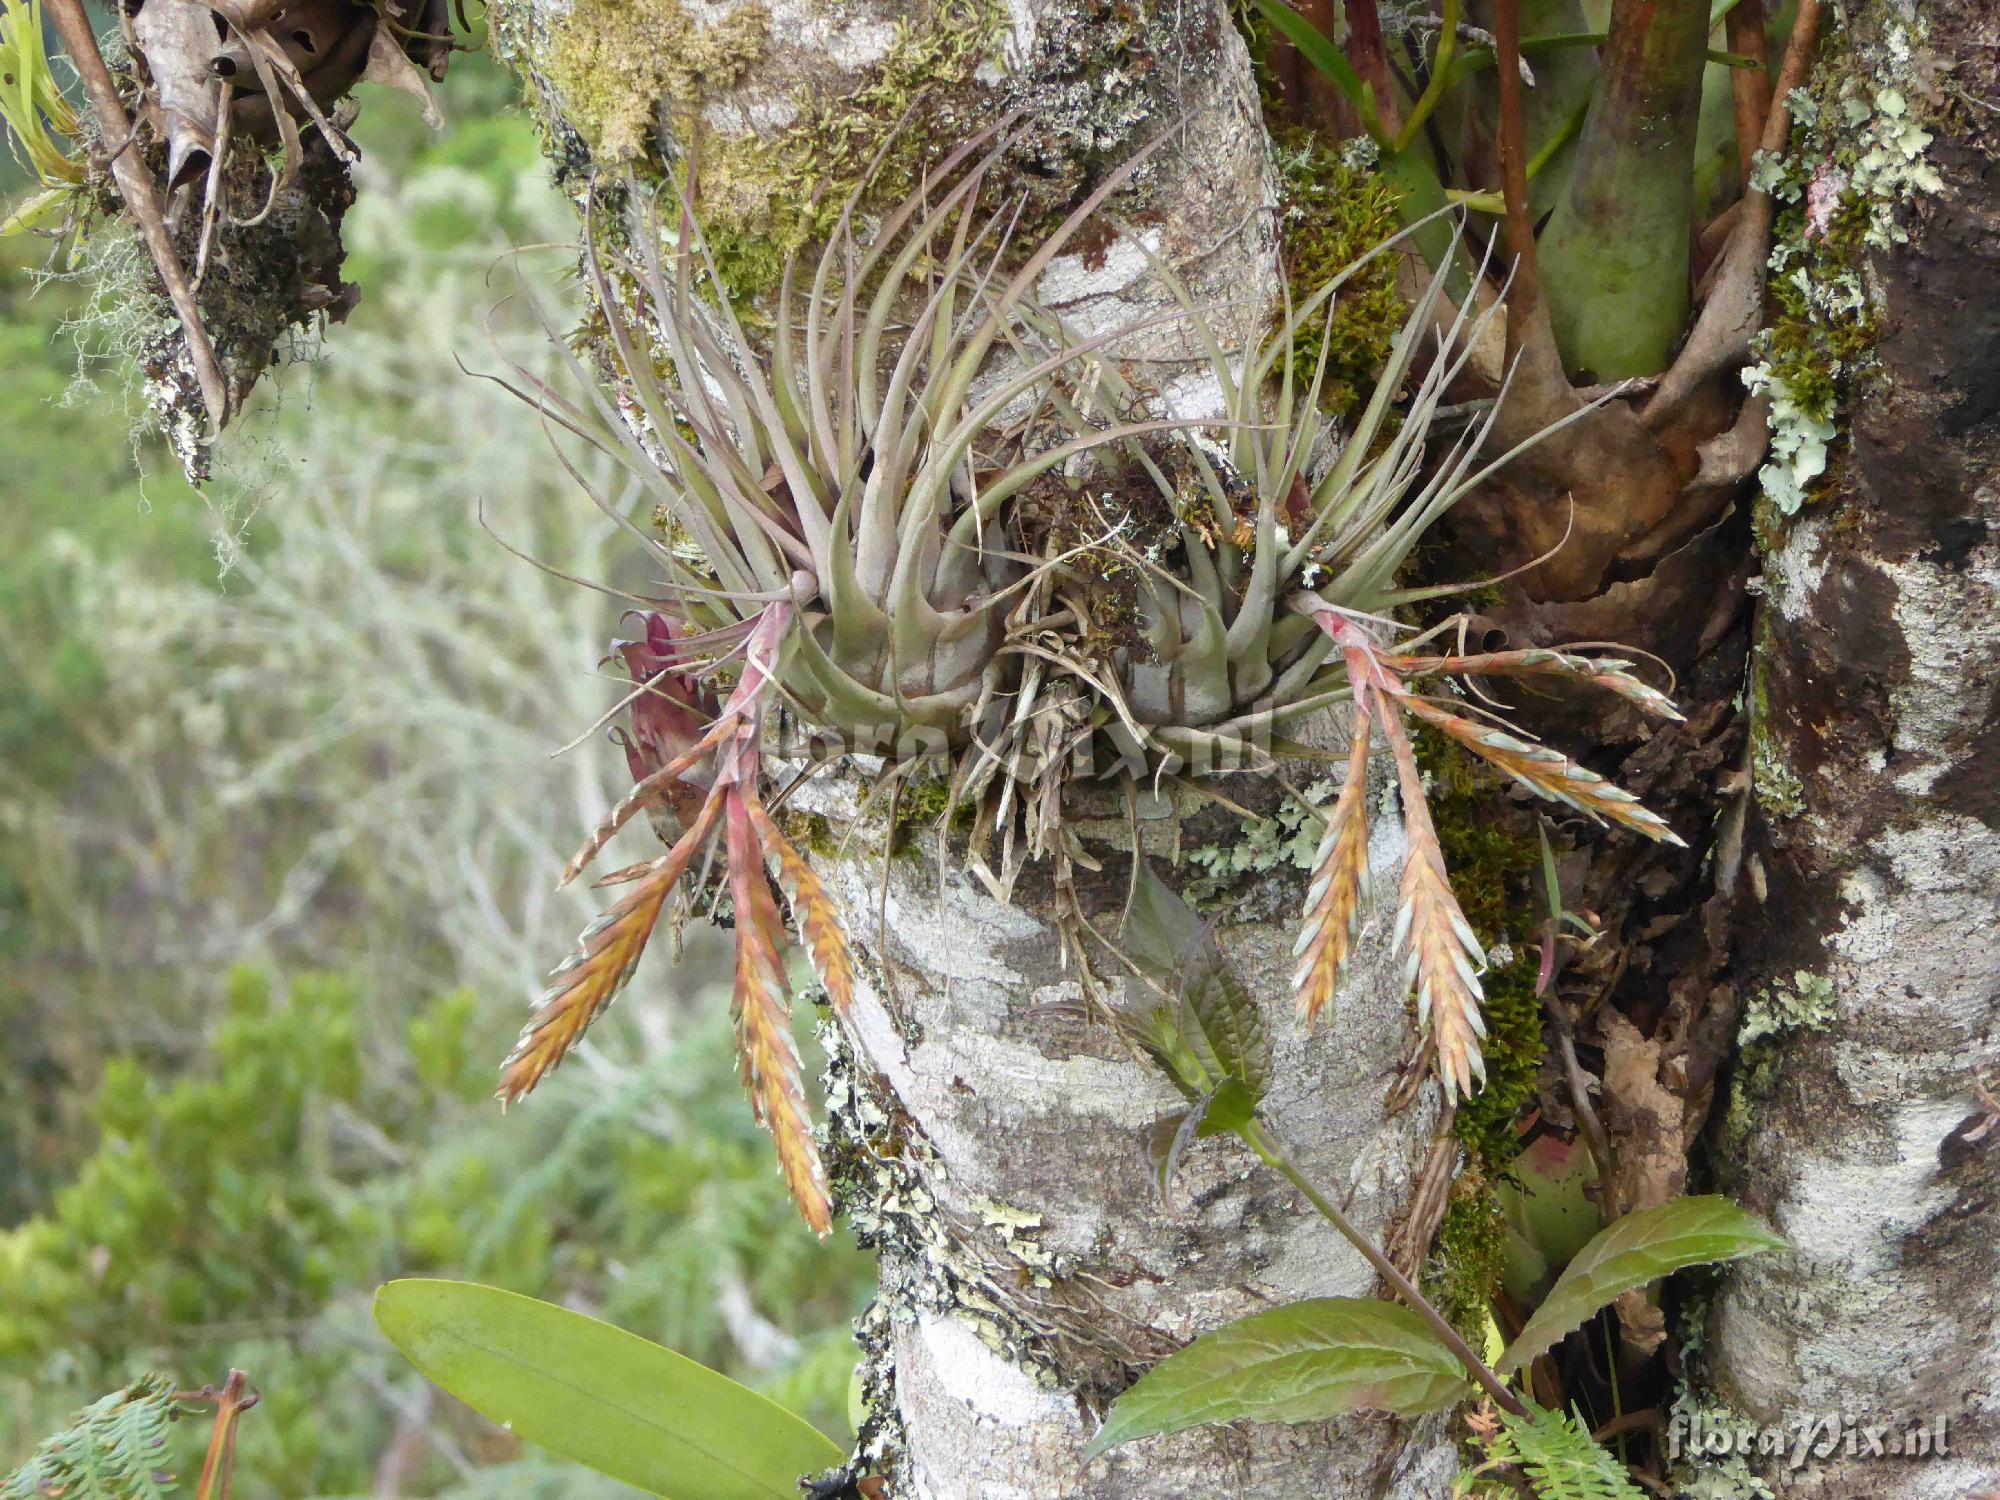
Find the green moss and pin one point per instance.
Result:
(812, 833)
(615, 63)
(1492, 861)
(1513, 1048)
(1463, 1272)
(1335, 212)
(762, 200)
(921, 807)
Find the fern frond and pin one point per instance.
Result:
(1611, 673)
(606, 954)
(813, 911)
(763, 1015)
(1547, 773)
(1339, 882)
(1561, 1459)
(1443, 954)
(115, 1449)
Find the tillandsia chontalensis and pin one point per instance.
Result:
(859, 521)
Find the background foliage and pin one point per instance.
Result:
(278, 836)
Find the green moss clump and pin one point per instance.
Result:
(616, 62)
(812, 833)
(1513, 1048)
(1492, 863)
(922, 806)
(1335, 212)
(1463, 1272)
(762, 200)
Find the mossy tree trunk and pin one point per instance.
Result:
(1869, 936)
(994, 1138)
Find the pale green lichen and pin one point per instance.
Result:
(1805, 1002)
(1858, 159)
(932, 1262)
(1779, 790)
(1287, 839)
(618, 63)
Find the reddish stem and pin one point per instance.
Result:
(1370, 56)
(1525, 299)
(1750, 87)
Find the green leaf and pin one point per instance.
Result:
(1213, 1031)
(1318, 49)
(1227, 1110)
(1303, 1362)
(1633, 1251)
(1160, 926)
(600, 1396)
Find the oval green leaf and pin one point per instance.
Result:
(601, 1397)
(1303, 1362)
(1637, 1249)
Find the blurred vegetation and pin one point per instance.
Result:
(278, 831)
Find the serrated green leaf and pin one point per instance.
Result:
(1160, 926)
(1303, 1362)
(1213, 1031)
(1637, 1249)
(601, 1397)
(1227, 1022)
(1227, 1110)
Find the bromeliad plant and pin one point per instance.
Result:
(1284, 612)
(834, 528)
(861, 523)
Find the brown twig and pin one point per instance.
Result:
(1524, 300)
(1750, 87)
(142, 200)
(1370, 56)
(234, 1399)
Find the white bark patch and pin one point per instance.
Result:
(967, 1370)
(1074, 278)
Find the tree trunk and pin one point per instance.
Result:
(992, 1135)
(1860, 1127)
(1030, 1269)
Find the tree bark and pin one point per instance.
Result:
(1029, 1267)
(1863, 1135)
